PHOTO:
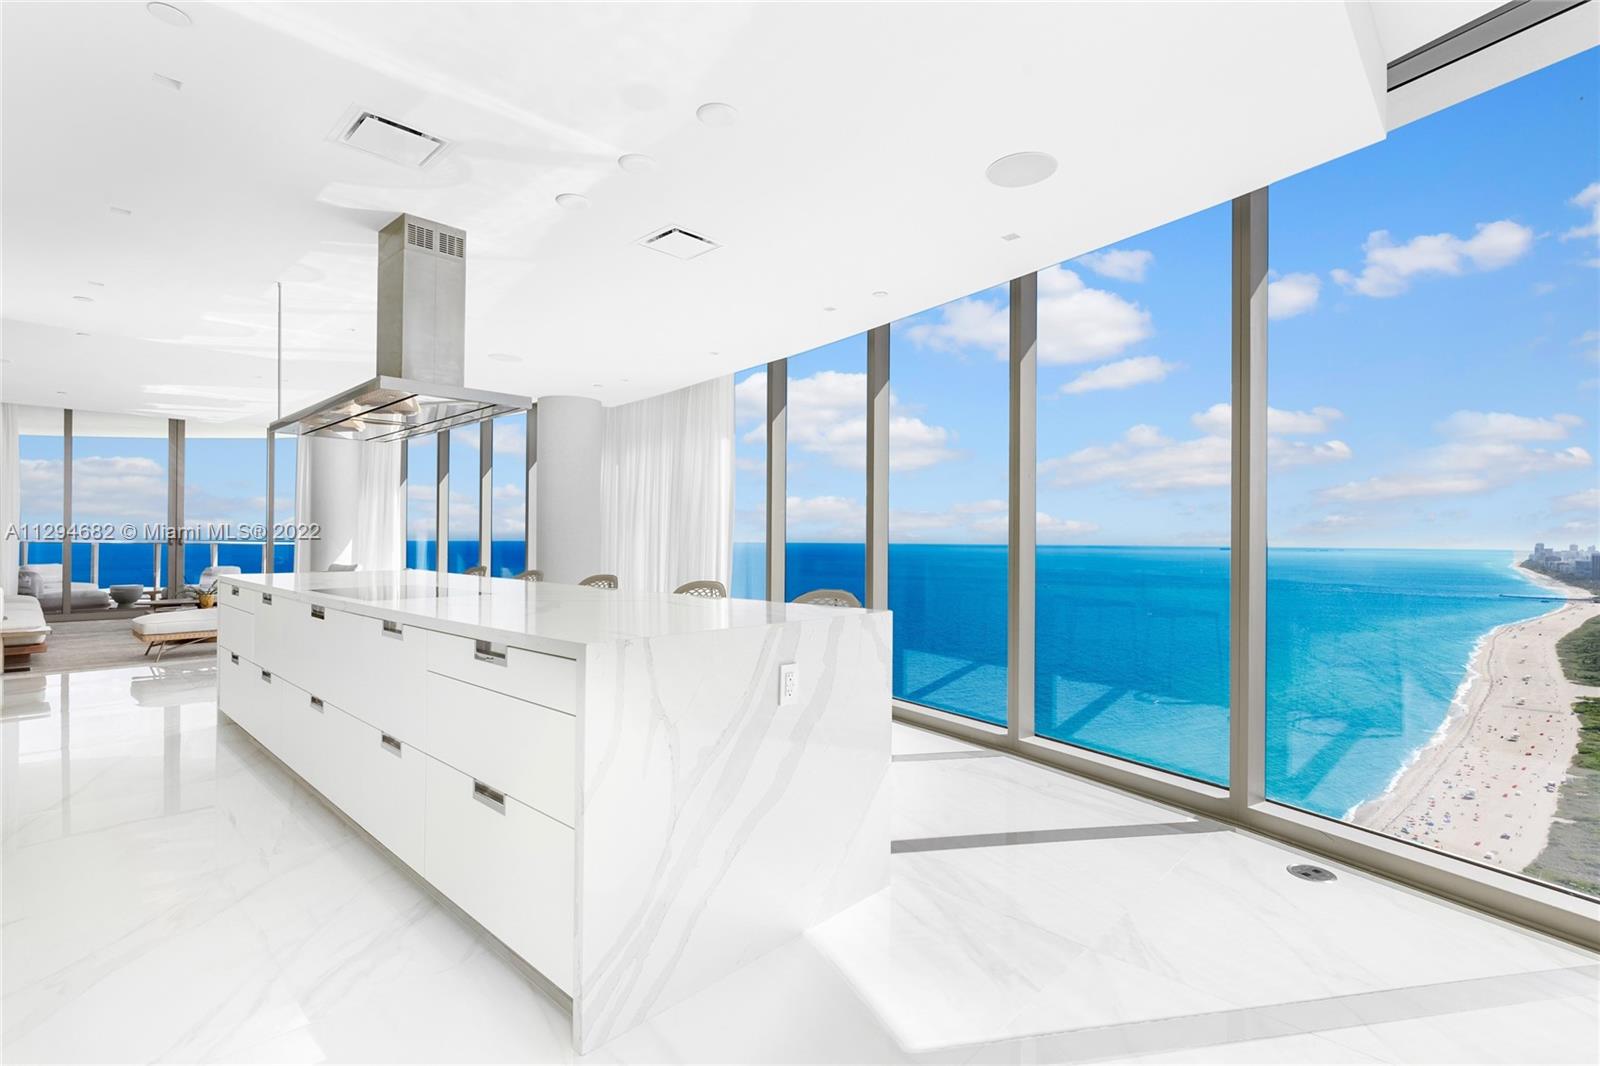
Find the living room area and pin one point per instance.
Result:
(108, 570)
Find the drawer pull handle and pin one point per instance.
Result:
(318, 612)
(233, 658)
(316, 703)
(233, 590)
(491, 798)
(266, 676)
(391, 744)
(391, 629)
(486, 652)
(266, 598)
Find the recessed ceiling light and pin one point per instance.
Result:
(597, 385)
(714, 353)
(635, 163)
(1011, 236)
(505, 357)
(391, 140)
(717, 114)
(80, 333)
(1021, 168)
(165, 82)
(84, 299)
(172, 16)
(61, 392)
(880, 293)
(830, 309)
(98, 284)
(572, 200)
(121, 211)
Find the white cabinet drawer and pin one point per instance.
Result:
(519, 748)
(249, 699)
(232, 692)
(383, 784)
(383, 668)
(241, 599)
(269, 639)
(305, 736)
(305, 648)
(236, 630)
(505, 864)
(527, 675)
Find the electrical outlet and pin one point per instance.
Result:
(788, 684)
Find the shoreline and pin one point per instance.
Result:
(1485, 785)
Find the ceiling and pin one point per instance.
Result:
(856, 166)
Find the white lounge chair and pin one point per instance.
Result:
(164, 629)
(42, 581)
(22, 630)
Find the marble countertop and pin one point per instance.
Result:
(528, 613)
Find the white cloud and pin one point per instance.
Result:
(1482, 450)
(1122, 374)
(750, 399)
(1122, 264)
(828, 417)
(977, 522)
(1497, 425)
(1292, 294)
(1589, 198)
(1389, 267)
(825, 518)
(509, 437)
(1587, 500)
(1145, 460)
(1218, 419)
(1049, 529)
(1077, 324)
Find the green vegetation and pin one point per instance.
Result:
(1588, 712)
(1580, 653)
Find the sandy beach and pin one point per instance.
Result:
(1486, 786)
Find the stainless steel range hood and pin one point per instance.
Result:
(422, 296)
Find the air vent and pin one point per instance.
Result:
(679, 243)
(389, 139)
(442, 241)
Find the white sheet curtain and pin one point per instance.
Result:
(302, 502)
(666, 470)
(380, 508)
(10, 498)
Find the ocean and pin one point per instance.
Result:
(1365, 648)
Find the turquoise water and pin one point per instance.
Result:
(1365, 648)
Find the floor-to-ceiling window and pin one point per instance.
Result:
(508, 547)
(1434, 309)
(463, 504)
(1131, 618)
(119, 499)
(286, 453)
(222, 502)
(827, 461)
(422, 464)
(40, 451)
(750, 484)
(948, 497)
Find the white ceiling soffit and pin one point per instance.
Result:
(856, 165)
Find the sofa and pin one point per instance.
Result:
(42, 581)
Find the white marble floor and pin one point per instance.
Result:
(171, 893)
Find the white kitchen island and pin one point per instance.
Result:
(608, 782)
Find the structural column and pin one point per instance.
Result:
(530, 488)
(878, 467)
(1248, 557)
(568, 514)
(175, 483)
(777, 477)
(486, 492)
(1022, 511)
(333, 485)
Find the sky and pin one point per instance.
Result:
(1434, 355)
(1434, 358)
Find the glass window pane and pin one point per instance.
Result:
(223, 501)
(119, 491)
(287, 450)
(750, 485)
(949, 459)
(1131, 616)
(39, 452)
(422, 464)
(827, 463)
(508, 551)
(1434, 313)
(464, 493)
